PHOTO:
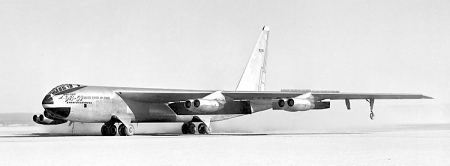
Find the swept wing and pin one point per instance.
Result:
(181, 95)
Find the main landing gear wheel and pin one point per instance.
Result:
(103, 130)
(109, 130)
(112, 130)
(126, 131)
(203, 122)
(191, 128)
(372, 115)
(204, 129)
(122, 129)
(185, 128)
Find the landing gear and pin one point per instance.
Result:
(191, 128)
(125, 127)
(204, 129)
(73, 127)
(371, 101)
(126, 131)
(122, 130)
(188, 128)
(112, 130)
(185, 128)
(203, 122)
(103, 130)
(109, 130)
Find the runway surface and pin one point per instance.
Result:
(423, 146)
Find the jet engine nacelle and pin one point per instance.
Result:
(49, 115)
(295, 104)
(41, 119)
(202, 105)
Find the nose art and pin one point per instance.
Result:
(47, 100)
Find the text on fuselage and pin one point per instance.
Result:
(72, 98)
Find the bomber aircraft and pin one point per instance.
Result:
(124, 106)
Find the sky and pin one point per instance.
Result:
(398, 46)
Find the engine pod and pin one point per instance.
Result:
(202, 105)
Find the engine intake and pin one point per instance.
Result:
(295, 104)
(202, 105)
(41, 119)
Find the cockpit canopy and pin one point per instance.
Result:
(65, 88)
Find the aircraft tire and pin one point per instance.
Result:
(129, 131)
(121, 130)
(104, 130)
(202, 128)
(372, 115)
(185, 128)
(191, 129)
(112, 130)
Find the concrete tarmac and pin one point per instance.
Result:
(431, 146)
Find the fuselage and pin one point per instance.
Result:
(97, 104)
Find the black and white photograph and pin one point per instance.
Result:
(210, 82)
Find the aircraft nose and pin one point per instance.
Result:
(47, 100)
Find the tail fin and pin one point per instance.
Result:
(254, 77)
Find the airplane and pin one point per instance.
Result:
(125, 105)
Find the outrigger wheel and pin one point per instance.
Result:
(371, 101)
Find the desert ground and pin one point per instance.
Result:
(426, 145)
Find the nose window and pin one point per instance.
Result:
(65, 88)
(47, 100)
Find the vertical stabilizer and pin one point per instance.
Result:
(254, 77)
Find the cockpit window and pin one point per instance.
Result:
(64, 88)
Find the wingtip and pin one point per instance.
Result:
(266, 28)
(427, 97)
